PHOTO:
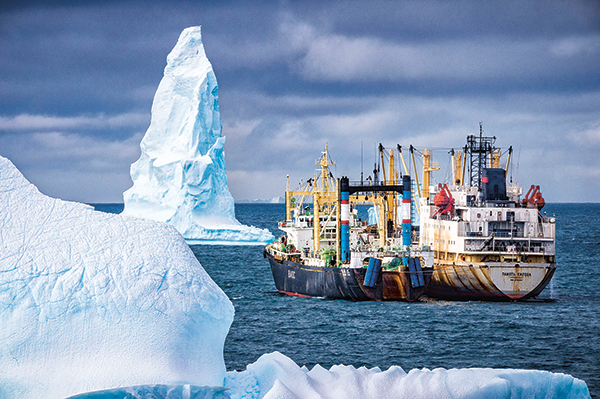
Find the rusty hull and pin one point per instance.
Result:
(494, 281)
(393, 285)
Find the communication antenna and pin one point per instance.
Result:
(478, 149)
(376, 166)
(518, 162)
(361, 163)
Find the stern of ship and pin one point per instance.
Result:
(489, 281)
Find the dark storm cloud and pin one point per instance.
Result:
(427, 20)
(77, 80)
(77, 59)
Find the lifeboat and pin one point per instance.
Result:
(443, 200)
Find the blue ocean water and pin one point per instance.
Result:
(559, 334)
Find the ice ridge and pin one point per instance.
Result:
(275, 376)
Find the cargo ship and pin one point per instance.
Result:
(473, 238)
(328, 251)
(489, 244)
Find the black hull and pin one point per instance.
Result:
(328, 282)
(294, 278)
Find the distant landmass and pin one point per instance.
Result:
(276, 200)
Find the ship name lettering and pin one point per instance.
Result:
(292, 274)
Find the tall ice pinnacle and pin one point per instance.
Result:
(180, 177)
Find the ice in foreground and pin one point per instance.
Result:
(275, 376)
(91, 300)
(180, 177)
(158, 392)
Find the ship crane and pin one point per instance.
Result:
(533, 198)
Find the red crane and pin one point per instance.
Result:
(533, 198)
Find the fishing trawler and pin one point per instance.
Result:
(328, 251)
(489, 244)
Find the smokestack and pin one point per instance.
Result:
(406, 236)
(345, 219)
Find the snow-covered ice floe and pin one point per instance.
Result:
(180, 177)
(275, 376)
(91, 300)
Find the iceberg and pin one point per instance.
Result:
(92, 301)
(373, 215)
(275, 376)
(180, 177)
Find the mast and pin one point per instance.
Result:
(479, 150)
(457, 165)
(464, 166)
(382, 162)
(316, 217)
(361, 163)
(412, 190)
(325, 184)
(508, 159)
(402, 158)
(391, 197)
(323, 194)
(427, 169)
(452, 162)
(412, 153)
(288, 212)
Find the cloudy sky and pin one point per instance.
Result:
(77, 80)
